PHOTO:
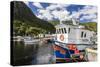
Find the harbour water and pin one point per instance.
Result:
(41, 52)
(26, 54)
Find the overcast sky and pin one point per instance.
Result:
(52, 11)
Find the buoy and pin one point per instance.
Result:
(61, 37)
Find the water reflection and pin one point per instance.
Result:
(26, 54)
(22, 54)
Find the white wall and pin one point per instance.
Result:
(75, 35)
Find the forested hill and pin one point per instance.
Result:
(54, 22)
(23, 17)
(92, 26)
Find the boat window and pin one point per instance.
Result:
(65, 30)
(85, 35)
(69, 30)
(82, 34)
(62, 30)
(59, 31)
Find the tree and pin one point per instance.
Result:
(22, 13)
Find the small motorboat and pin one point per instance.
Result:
(30, 40)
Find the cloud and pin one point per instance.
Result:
(37, 5)
(54, 11)
(44, 14)
(89, 10)
(61, 15)
(90, 17)
(88, 13)
(75, 15)
(55, 6)
(59, 11)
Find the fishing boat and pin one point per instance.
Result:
(71, 40)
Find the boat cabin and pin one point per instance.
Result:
(74, 34)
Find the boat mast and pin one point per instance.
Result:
(60, 21)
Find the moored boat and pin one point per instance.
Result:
(71, 40)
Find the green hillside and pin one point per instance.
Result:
(24, 20)
(54, 22)
(92, 26)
